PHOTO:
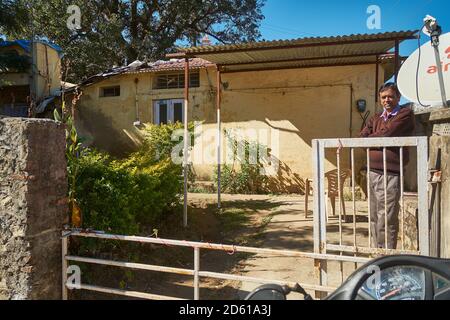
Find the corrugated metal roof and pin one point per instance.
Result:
(400, 35)
(357, 49)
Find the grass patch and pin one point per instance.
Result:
(232, 219)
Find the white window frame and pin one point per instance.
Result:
(170, 109)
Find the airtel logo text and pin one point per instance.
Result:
(445, 66)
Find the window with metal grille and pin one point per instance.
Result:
(168, 111)
(176, 81)
(110, 91)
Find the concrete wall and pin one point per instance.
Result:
(301, 104)
(33, 208)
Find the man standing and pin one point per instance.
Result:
(394, 121)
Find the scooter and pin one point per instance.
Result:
(388, 278)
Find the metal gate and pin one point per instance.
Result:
(321, 244)
(196, 272)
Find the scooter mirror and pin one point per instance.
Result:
(268, 292)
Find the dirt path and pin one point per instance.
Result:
(289, 230)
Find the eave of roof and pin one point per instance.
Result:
(174, 65)
(303, 53)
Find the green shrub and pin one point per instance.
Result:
(125, 196)
(104, 195)
(118, 200)
(158, 143)
(243, 176)
(158, 147)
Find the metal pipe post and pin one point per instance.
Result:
(186, 142)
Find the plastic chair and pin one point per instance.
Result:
(332, 190)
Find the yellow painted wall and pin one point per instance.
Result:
(303, 104)
(108, 121)
(48, 81)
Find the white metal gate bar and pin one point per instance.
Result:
(127, 293)
(421, 143)
(189, 272)
(218, 247)
(196, 273)
(320, 212)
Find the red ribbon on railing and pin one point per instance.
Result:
(230, 252)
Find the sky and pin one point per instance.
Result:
(290, 19)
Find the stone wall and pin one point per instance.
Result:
(410, 224)
(33, 207)
(441, 145)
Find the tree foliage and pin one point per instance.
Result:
(126, 30)
(13, 16)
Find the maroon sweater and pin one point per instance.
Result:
(400, 125)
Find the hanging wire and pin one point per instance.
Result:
(418, 67)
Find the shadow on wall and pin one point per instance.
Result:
(299, 115)
(98, 131)
(286, 181)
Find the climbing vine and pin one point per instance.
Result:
(73, 149)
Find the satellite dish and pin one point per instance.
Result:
(429, 91)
